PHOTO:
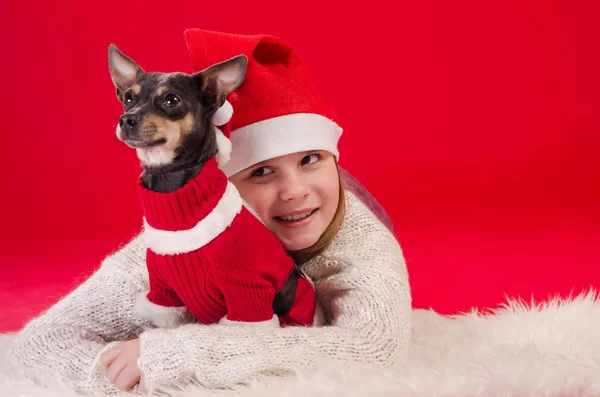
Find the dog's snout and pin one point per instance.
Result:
(128, 122)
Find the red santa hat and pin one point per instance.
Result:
(275, 111)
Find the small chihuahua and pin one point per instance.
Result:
(208, 255)
(168, 116)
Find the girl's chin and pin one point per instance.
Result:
(297, 242)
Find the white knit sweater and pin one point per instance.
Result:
(361, 281)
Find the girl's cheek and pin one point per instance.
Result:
(257, 201)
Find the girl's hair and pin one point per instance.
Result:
(306, 254)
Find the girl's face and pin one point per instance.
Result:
(295, 195)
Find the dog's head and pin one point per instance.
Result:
(167, 116)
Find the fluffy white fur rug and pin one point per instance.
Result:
(550, 349)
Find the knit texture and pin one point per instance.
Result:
(361, 282)
(220, 260)
(185, 207)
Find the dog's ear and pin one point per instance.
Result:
(220, 79)
(123, 70)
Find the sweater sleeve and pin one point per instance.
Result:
(161, 305)
(248, 297)
(362, 284)
(68, 338)
(160, 294)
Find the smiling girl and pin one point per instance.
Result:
(284, 163)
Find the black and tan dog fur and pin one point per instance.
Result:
(167, 116)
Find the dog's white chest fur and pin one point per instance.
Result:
(155, 156)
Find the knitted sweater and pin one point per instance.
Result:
(360, 279)
(210, 257)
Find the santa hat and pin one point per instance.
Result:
(275, 111)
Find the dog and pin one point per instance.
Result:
(209, 258)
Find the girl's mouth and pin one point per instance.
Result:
(297, 219)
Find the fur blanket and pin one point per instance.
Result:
(550, 349)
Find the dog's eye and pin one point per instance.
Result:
(171, 101)
(127, 98)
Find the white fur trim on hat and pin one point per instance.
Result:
(167, 242)
(222, 117)
(279, 136)
(223, 147)
(223, 114)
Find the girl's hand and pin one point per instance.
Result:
(119, 365)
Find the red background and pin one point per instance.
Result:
(474, 123)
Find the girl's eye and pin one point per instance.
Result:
(311, 158)
(262, 171)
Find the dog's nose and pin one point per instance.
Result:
(127, 122)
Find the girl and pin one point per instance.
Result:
(284, 163)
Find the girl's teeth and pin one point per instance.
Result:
(296, 217)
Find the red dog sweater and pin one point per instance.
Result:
(209, 256)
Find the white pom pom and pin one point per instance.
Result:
(223, 114)
(224, 148)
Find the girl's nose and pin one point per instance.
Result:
(293, 187)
